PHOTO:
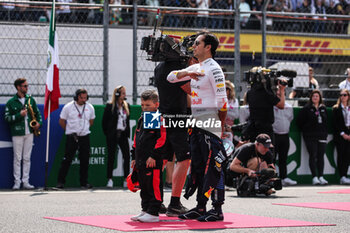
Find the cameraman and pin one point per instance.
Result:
(173, 101)
(253, 157)
(261, 100)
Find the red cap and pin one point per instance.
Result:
(133, 187)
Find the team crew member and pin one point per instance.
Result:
(76, 119)
(147, 159)
(283, 118)
(116, 127)
(19, 117)
(209, 101)
(173, 101)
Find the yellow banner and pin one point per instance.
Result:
(280, 44)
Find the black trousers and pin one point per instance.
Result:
(282, 148)
(151, 194)
(316, 151)
(343, 160)
(74, 143)
(209, 174)
(113, 140)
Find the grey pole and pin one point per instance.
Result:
(134, 60)
(237, 71)
(105, 50)
(263, 29)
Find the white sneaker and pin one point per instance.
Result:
(109, 183)
(287, 181)
(136, 217)
(323, 181)
(316, 181)
(28, 186)
(16, 186)
(344, 180)
(148, 218)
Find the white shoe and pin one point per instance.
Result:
(109, 183)
(323, 181)
(136, 217)
(148, 218)
(16, 186)
(28, 186)
(344, 180)
(287, 182)
(316, 181)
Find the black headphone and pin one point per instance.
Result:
(78, 92)
(117, 94)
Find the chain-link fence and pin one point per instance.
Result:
(299, 37)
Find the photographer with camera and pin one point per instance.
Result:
(261, 100)
(252, 158)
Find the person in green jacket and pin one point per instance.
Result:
(24, 118)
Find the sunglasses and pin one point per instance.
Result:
(197, 42)
(343, 94)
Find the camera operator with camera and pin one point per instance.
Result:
(261, 100)
(254, 161)
(173, 101)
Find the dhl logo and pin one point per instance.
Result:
(291, 45)
(194, 94)
(208, 193)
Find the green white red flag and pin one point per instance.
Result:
(52, 90)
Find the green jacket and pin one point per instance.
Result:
(14, 118)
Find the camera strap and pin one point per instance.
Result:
(173, 45)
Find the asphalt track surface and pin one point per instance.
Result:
(24, 211)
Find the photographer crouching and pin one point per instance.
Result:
(261, 100)
(254, 161)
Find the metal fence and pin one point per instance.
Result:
(320, 41)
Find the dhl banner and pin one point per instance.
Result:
(280, 44)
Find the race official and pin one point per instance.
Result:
(208, 102)
(76, 119)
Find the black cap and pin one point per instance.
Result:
(264, 139)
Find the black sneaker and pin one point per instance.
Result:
(168, 186)
(60, 185)
(194, 213)
(87, 186)
(162, 209)
(211, 216)
(174, 211)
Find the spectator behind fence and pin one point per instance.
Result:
(341, 114)
(312, 121)
(318, 8)
(281, 126)
(76, 119)
(232, 103)
(116, 127)
(244, 17)
(20, 112)
(218, 20)
(147, 161)
(346, 83)
(202, 17)
(313, 84)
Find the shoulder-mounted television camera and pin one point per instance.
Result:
(269, 77)
(164, 48)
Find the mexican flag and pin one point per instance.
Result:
(52, 90)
